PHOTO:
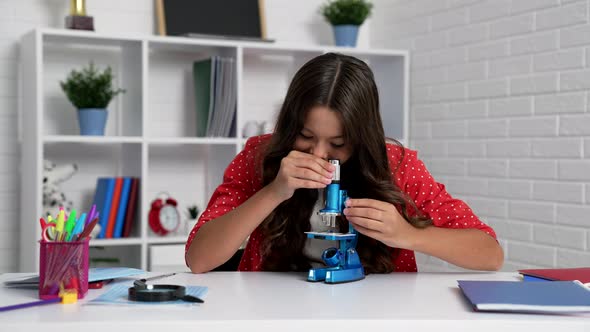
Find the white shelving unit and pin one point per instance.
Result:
(151, 129)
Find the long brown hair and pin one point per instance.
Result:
(345, 85)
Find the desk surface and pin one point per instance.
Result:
(263, 301)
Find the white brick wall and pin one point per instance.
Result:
(499, 112)
(292, 22)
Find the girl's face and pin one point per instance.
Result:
(322, 135)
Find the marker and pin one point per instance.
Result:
(59, 225)
(79, 226)
(69, 226)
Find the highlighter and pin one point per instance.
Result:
(59, 225)
(69, 226)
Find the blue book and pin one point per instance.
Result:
(527, 297)
(531, 278)
(120, 221)
(103, 197)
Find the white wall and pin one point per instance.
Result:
(287, 21)
(500, 114)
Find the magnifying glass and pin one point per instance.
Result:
(143, 292)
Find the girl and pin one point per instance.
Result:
(270, 190)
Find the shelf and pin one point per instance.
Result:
(134, 139)
(151, 130)
(193, 140)
(91, 139)
(185, 43)
(115, 242)
(168, 240)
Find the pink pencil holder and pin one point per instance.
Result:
(63, 265)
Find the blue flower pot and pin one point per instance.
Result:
(92, 121)
(346, 35)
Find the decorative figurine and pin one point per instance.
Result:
(343, 264)
(77, 19)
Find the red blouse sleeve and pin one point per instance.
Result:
(431, 197)
(240, 181)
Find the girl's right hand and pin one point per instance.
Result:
(301, 170)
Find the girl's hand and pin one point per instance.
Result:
(379, 220)
(301, 170)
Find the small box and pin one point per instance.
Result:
(63, 266)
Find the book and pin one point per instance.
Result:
(103, 197)
(203, 79)
(527, 297)
(120, 220)
(131, 207)
(582, 274)
(114, 208)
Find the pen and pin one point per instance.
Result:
(91, 214)
(87, 230)
(157, 277)
(29, 304)
(78, 227)
(141, 283)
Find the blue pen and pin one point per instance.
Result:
(79, 226)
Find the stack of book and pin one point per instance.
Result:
(560, 290)
(215, 96)
(116, 200)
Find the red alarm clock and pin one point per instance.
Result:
(164, 216)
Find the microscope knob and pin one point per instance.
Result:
(331, 257)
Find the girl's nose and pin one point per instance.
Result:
(320, 150)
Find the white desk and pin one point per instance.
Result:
(287, 302)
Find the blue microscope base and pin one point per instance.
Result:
(336, 275)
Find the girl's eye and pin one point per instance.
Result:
(306, 137)
(337, 146)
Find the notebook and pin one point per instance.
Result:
(527, 297)
(582, 274)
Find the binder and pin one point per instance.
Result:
(527, 297)
(203, 78)
(120, 220)
(131, 207)
(582, 274)
(103, 197)
(114, 208)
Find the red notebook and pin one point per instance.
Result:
(582, 274)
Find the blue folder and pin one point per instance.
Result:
(103, 199)
(529, 297)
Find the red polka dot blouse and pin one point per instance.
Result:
(242, 180)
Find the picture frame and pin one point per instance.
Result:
(253, 21)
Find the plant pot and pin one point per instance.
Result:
(346, 35)
(92, 121)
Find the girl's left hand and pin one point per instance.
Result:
(379, 220)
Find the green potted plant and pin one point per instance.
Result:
(346, 16)
(192, 213)
(90, 91)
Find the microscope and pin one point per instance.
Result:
(343, 264)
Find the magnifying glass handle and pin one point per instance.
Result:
(194, 299)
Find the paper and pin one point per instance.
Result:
(106, 273)
(94, 274)
(117, 294)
